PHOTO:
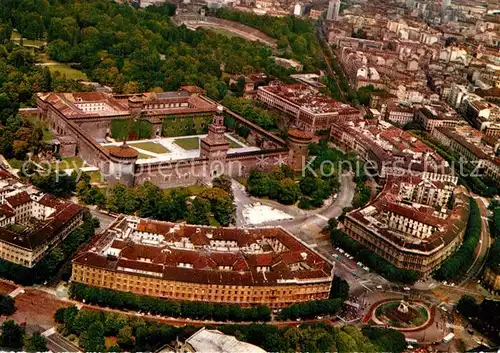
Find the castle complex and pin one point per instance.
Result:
(82, 121)
(258, 266)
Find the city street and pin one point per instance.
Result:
(104, 219)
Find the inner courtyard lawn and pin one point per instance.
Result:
(193, 143)
(190, 143)
(150, 146)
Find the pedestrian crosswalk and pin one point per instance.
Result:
(16, 292)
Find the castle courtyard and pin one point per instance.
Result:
(165, 149)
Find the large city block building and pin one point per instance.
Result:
(435, 115)
(257, 266)
(390, 150)
(32, 223)
(310, 110)
(410, 226)
(475, 147)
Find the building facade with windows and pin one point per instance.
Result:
(475, 147)
(32, 223)
(258, 266)
(437, 115)
(389, 150)
(310, 110)
(411, 235)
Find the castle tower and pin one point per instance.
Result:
(122, 164)
(333, 11)
(135, 105)
(298, 142)
(215, 145)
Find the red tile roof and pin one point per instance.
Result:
(202, 263)
(123, 151)
(18, 199)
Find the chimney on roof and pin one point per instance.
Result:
(303, 255)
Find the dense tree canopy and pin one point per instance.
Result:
(483, 316)
(7, 305)
(340, 289)
(310, 309)
(458, 263)
(310, 191)
(251, 111)
(296, 37)
(139, 50)
(35, 343)
(149, 201)
(388, 340)
(12, 336)
(139, 335)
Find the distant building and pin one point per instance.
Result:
(445, 4)
(288, 63)
(491, 277)
(390, 150)
(333, 11)
(473, 146)
(32, 223)
(251, 82)
(146, 3)
(310, 110)
(298, 9)
(400, 114)
(436, 115)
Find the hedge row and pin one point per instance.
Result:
(199, 310)
(310, 309)
(158, 306)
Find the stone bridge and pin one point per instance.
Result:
(195, 20)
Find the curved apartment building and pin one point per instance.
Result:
(258, 266)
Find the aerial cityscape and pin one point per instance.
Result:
(224, 176)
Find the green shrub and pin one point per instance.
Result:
(155, 306)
